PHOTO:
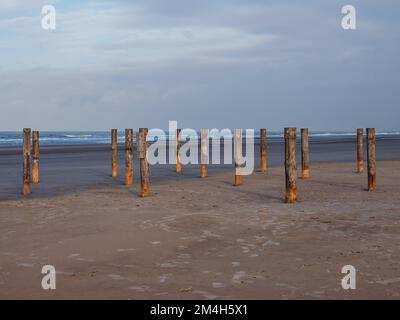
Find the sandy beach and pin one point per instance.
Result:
(200, 238)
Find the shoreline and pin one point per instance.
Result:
(82, 147)
(64, 169)
(316, 139)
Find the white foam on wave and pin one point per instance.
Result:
(78, 136)
(10, 139)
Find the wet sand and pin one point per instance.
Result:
(200, 238)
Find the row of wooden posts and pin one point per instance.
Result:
(141, 149)
(141, 145)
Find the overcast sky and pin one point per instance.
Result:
(205, 63)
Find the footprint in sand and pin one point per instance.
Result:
(184, 256)
(241, 277)
(85, 260)
(207, 295)
(163, 278)
(167, 265)
(270, 243)
(115, 277)
(218, 285)
(140, 288)
(124, 250)
(25, 265)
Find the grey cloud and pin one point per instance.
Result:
(206, 63)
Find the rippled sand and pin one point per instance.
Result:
(203, 238)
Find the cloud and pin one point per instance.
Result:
(11, 5)
(98, 35)
(205, 63)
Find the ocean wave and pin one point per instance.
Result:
(72, 136)
(103, 137)
(329, 134)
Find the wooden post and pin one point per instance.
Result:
(114, 153)
(371, 161)
(290, 165)
(204, 152)
(178, 165)
(360, 161)
(35, 157)
(26, 169)
(128, 157)
(305, 156)
(237, 142)
(263, 149)
(141, 140)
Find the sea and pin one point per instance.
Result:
(14, 138)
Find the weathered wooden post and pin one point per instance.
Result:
(371, 161)
(204, 152)
(263, 149)
(360, 161)
(114, 153)
(141, 140)
(237, 144)
(305, 154)
(35, 157)
(178, 165)
(128, 157)
(26, 169)
(290, 165)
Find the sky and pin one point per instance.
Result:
(204, 63)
